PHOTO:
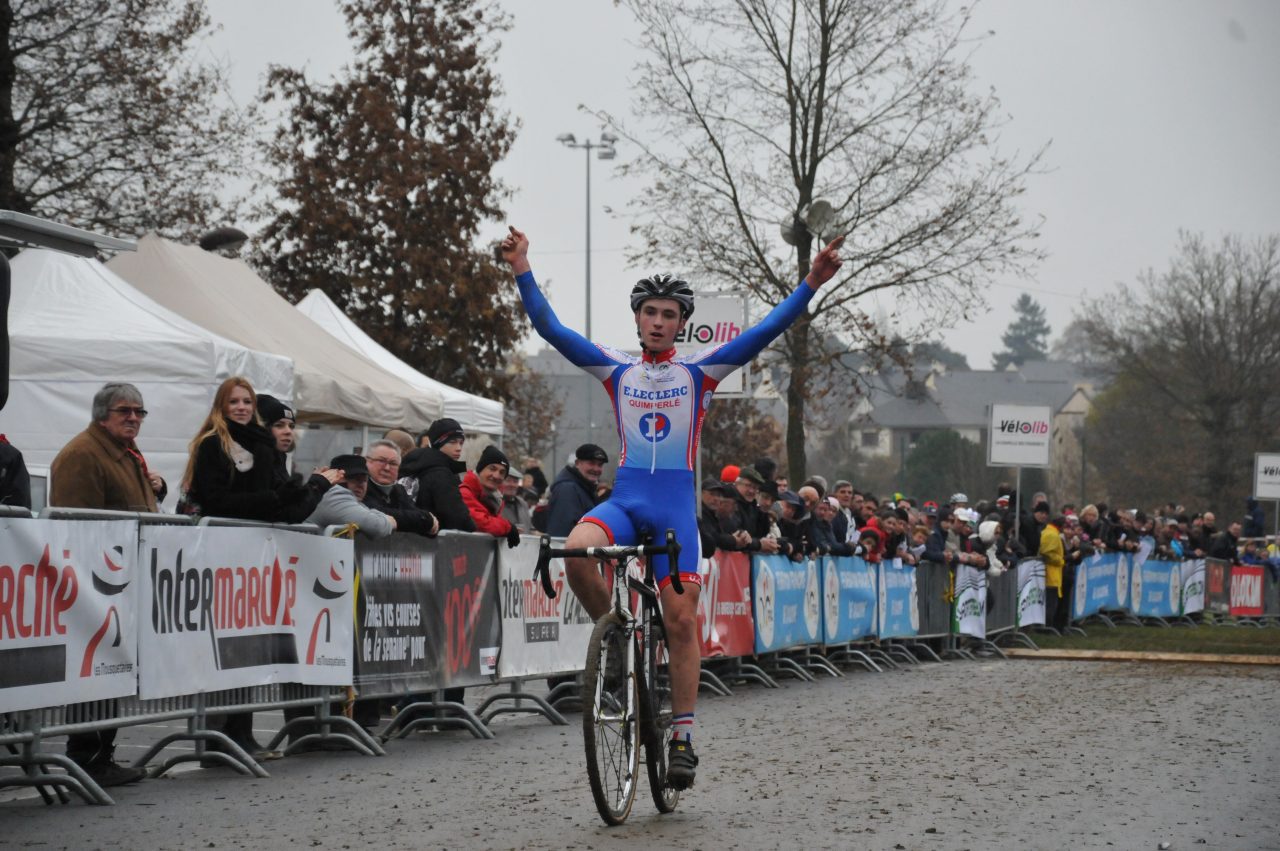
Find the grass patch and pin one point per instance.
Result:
(1238, 640)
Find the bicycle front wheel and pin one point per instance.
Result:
(610, 722)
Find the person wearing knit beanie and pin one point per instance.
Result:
(444, 430)
(492, 455)
(272, 410)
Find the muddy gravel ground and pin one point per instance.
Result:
(988, 755)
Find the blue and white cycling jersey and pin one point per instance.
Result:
(658, 404)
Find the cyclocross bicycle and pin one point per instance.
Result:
(626, 687)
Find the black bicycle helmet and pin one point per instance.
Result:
(663, 286)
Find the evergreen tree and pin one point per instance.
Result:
(385, 178)
(1027, 337)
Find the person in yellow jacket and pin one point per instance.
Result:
(1053, 555)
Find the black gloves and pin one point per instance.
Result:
(513, 537)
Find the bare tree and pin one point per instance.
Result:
(108, 119)
(530, 412)
(1202, 335)
(754, 109)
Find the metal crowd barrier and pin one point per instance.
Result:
(24, 732)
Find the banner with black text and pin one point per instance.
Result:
(229, 607)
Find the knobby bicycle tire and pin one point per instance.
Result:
(610, 726)
(655, 691)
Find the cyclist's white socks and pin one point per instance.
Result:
(682, 728)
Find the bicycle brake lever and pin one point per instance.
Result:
(543, 568)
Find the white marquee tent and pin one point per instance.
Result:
(74, 326)
(333, 384)
(475, 413)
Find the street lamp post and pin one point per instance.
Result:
(604, 150)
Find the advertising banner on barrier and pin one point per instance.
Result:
(68, 612)
(1031, 591)
(1102, 583)
(898, 617)
(399, 637)
(1246, 590)
(849, 599)
(540, 635)
(1217, 586)
(725, 627)
(227, 607)
(467, 605)
(1146, 546)
(933, 599)
(1157, 588)
(1002, 602)
(969, 615)
(428, 613)
(1192, 571)
(786, 603)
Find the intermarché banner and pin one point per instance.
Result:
(68, 611)
(540, 635)
(229, 607)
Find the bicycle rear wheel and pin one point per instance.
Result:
(610, 722)
(655, 688)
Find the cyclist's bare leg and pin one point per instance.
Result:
(584, 574)
(680, 615)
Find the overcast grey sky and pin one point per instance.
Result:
(1163, 114)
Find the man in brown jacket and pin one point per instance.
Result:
(101, 467)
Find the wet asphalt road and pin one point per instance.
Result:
(988, 755)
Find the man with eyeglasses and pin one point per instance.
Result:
(101, 467)
(385, 495)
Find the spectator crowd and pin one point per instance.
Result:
(238, 468)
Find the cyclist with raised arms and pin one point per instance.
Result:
(659, 401)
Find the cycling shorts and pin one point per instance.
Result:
(645, 503)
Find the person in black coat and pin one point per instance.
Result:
(573, 493)
(233, 471)
(430, 473)
(279, 419)
(711, 532)
(389, 497)
(1254, 519)
(15, 482)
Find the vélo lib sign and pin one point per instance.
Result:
(1266, 475)
(1019, 436)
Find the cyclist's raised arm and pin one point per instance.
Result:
(576, 348)
(722, 360)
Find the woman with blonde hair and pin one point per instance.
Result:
(231, 470)
(232, 473)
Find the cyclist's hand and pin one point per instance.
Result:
(825, 264)
(515, 251)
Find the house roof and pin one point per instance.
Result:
(962, 399)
